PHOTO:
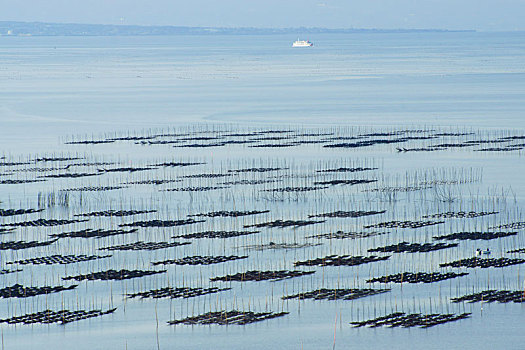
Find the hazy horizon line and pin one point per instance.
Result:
(333, 29)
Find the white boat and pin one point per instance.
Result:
(302, 43)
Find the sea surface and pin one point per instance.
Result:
(55, 90)
(94, 84)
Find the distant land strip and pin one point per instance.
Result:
(77, 29)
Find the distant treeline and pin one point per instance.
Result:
(73, 29)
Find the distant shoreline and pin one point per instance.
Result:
(76, 29)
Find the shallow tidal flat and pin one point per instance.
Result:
(179, 232)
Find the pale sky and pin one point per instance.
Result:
(484, 15)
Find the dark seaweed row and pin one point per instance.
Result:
(204, 145)
(55, 159)
(261, 275)
(413, 247)
(145, 246)
(365, 143)
(344, 182)
(343, 235)
(216, 234)
(173, 293)
(336, 294)
(248, 182)
(132, 138)
(342, 260)
(13, 163)
(162, 223)
(513, 225)
(70, 175)
(404, 224)
(228, 318)
(204, 176)
(398, 189)
(17, 245)
(400, 319)
(6, 230)
(90, 164)
(88, 142)
(419, 277)
(19, 291)
(234, 213)
(200, 260)
(118, 213)
(295, 189)
(58, 259)
(433, 148)
(395, 133)
(502, 149)
(345, 170)
(470, 143)
(195, 189)
(483, 263)
(275, 145)
(272, 138)
(347, 214)
(519, 137)
(13, 212)
(18, 182)
(126, 169)
(454, 134)
(216, 140)
(62, 316)
(90, 233)
(112, 275)
(459, 214)
(273, 245)
(255, 170)
(94, 189)
(152, 182)
(40, 170)
(177, 164)
(43, 222)
(158, 142)
(475, 235)
(285, 223)
(490, 296)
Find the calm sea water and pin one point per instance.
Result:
(62, 85)
(54, 87)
